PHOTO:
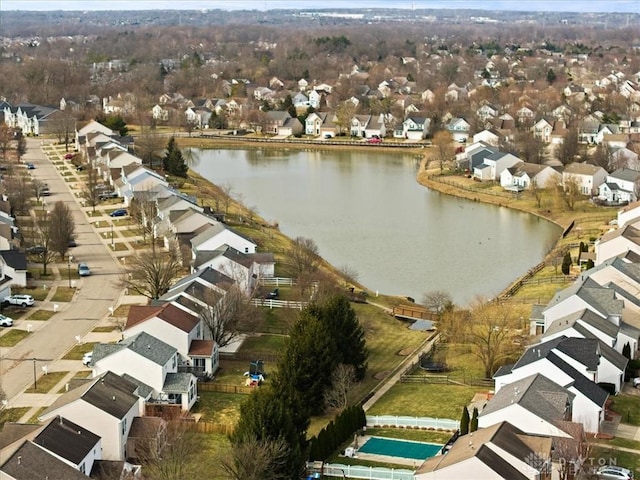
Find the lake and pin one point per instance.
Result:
(365, 210)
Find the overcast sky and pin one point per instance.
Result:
(628, 6)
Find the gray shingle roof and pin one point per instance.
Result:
(177, 382)
(150, 347)
(537, 394)
(30, 462)
(67, 440)
(581, 383)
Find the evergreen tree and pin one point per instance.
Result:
(473, 426)
(114, 122)
(266, 416)
(566, 263)
(173, 161)
(626, 350)
(341, 320)
(306, 365)
(464, 421)
(551, 76)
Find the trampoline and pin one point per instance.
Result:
(399, 448)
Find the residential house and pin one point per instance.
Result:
(416, 128)
(523, 175)
(105, 406)
(493, 166)
(218, 235)
(359, 124)
(275, 120)
(459, 129)
(159, 113)
(152, 363)
(70, 442)
(589, 399)
(242, 267)
(34, 119)
(542, 130)
(587, 177)
(625, 157)
(31, 462)
(487, 111)
(183, 225)
(500, 451)
(619, 187)
(490, 137)
(13, 268)
(588, 130)
(136, 178)
(314, 122)
(474, 155)
(583, 325)
(180, 329)
(533, 404)
(92, 127)
(525, 115)
(629, 215)
(616, 242)
(301, 101)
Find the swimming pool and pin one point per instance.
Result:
(400, 448)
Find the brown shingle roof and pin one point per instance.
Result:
(201, 348)
(169, 313)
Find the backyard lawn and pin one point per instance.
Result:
(629, 407)
(424, 400)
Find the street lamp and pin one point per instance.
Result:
(69, 269)
(112, 235)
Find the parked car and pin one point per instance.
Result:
(121, 212)
(107, 195)
(21, 300)
(636, 382)
(44, 191)
(614, 472)
(69, 156)
(86, 359)
(30, 166)
(36, 250)
(5, 321)
(72, 243)
(83, 270)
(374, 139)
(273, 294)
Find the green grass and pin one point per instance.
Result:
(219, 407)
(63, 294)
(622, 442)
(628, 406)
(264, 344)
(46, 382)
(78, 351)
(609, 456)
(107, 329)
(34, 417)
(424, 400)
(212, 448)
(13, 337)
(409, 434)
(38, 294)
(42, 315)
(12, 414)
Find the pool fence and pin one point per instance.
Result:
(357, 471)
(427, 423)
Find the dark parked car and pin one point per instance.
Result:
(36, 250)
(107, 195)
(272, 295)
(121, 212)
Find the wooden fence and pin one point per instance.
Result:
(224, 388)
(447, 380)
(210, 427)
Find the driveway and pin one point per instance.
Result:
(94, 295)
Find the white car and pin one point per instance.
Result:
(5, 321)
(636, 382)
(613, 472)
(86, 359)
(22, 300)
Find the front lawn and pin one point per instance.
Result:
(41, 315)
(46, 382)
(13, 337)
(628, 406)
(12, 414)
(63, 294)
(78, 351)
(610, 456)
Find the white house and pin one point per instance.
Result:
(523, 175)
(616, 242)
(218, 235)
(589, 399)
(493, 165)
(459, 129)
(534, 404)
(151, 362)
(31, 461)
(500, 451)
(180, 329)
(490, 137)
(105, 406)
(586, 176)
(416, 128)
(619, 187)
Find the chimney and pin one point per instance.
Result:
(19, 459)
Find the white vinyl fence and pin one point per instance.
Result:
(412, 422)
(371, 473)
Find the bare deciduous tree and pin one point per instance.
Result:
(570, 191)
(438, 301)
(6, 137)
(61, 228)
(443, 143)
(152, 272)
(343, 379)
(255, 459)
(90, 190)
(227, 315)
(303, 258)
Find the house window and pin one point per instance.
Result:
(199, 363)
(124, 426)
(82, 468)
(246, 249)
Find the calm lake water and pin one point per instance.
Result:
(365, 210)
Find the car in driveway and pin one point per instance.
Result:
(121, 212)
(374, 139)
(636, 382)
(86, 359)
(83, 270)
(611, 472)
(19, 299)
(69, 156)
(5, 321)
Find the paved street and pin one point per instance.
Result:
(94, 294)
